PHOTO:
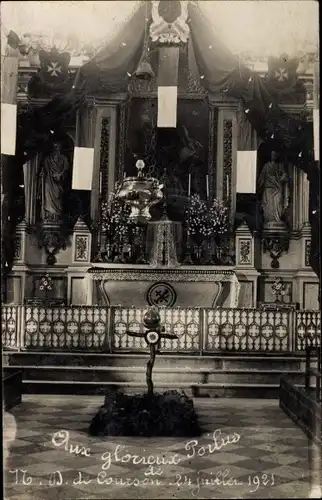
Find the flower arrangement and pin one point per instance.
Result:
(197, 222)
(46, 283)
(115, 219)
(202, 222)
(218, 217)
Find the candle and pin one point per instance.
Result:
(227, 186)
(189, 185)
(124, 175)
(101, 181)
(207, 186)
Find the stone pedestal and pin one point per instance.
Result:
(245, 267)
(79, 286)
(16, 282)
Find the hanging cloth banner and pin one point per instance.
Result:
(83, 163)
(316, 110)
(246, 156)
(9, 81)
(168, 86)
(246, 172)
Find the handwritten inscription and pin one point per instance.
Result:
(220, 440)
(221, 478)
(61, 440)
(153, 474)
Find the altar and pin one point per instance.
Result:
(183, 286)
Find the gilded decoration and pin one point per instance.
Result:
(104, 156)
(227, 160)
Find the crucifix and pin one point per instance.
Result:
(153, 335)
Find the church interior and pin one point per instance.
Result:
(160, 214)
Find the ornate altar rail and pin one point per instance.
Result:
(199, 330)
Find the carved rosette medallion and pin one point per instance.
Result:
(169, 22)
(161, 294)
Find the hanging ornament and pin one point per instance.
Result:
(144, 69)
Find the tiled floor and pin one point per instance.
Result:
(271, 459)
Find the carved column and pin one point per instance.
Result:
(105, 156)
(227, 156)
(212, 152)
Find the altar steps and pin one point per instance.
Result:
(226, 375)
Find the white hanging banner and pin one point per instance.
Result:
(316, 134)
(167, 107)
(246, 171)
(8, 128)
(83, 168)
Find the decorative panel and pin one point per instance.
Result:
(227, 159)
(245, 252)
(247, 330)
(81, 248)
(307, 252)
(307, 329)
(270, 297)
(17, 247)
(10, 323)
(104, 157)
(185, 323)
(66, 328)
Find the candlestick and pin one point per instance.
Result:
(189, 185)
(207, 186)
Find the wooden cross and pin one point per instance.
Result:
(153, 338)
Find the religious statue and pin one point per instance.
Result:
(271, 182)
(51, 186)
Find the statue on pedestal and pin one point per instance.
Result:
(271, 182)
(52, 175)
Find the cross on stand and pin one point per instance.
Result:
(153, 335)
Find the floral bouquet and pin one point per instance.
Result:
(46, 283)
(115, 219)
(218, 218)
(197, 222)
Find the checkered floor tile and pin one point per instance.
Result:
(271, 459)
